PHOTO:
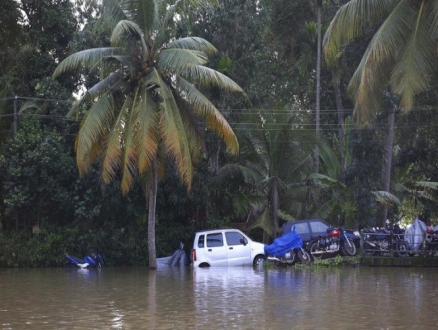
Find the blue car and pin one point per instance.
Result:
(313, 228)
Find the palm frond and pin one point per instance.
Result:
(114, 11)
(193, 43)
(146, 15)
(125, 33)
(27, 106)
(204, 76)
(411, 73)
(327, 180)
(131, 138)
(351, 21)
(232, 170)
(89, 58)
(373, 72)
(173, 134)
(264, 222)
(386, 198)
(432, 12)
(114, 144)
(176, 59)
(426, 185)
(326, 209)
(94, 127)
(206, 110)
(148, 127)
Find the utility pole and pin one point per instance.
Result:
(15, 115)
(318, 81)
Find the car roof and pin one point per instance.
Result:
(215, 229)
(302, 220)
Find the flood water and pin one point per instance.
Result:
(219, 298)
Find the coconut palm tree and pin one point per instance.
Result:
(276, 150)
(401, 55)
(147, 106)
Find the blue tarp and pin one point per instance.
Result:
(178, 258)
(283, 244)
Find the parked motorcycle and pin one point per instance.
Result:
(287, 250)
(335, 243)
(93, 260)
(382, 240)
(432, 240)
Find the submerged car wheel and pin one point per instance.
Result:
(258, 261)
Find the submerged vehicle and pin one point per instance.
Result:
(287, 249)
(93, 260)
(226, 247)
(177, 258)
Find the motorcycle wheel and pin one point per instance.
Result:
(313, 249)
(349, 249)
(402, 249)
(304, 256)
(368, 252)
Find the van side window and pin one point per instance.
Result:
(201, 241)
(234, 238)
(215, 240)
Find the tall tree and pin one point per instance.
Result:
(275, 153)
(146, 106)
(402, 54)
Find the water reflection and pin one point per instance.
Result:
(218, 298)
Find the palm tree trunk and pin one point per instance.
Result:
(151, 216)
(341, 129)
(274, 205)
(388, 161)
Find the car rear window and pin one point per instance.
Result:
(201, 241)
(233, 238)
(318, 227)
(215, 239)
(301, 228)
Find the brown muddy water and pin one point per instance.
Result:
(219, 298)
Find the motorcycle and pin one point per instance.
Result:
(93, 260)
(382, 240)
(335, 243)
(287, 250)
(431, 240)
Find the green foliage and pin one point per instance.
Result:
(364, 174)
(36, 173)
(337, 261)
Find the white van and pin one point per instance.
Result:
(226, 247)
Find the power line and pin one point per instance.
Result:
(245, 110)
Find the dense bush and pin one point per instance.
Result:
(125, 246)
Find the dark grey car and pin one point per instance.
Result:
(314, 228)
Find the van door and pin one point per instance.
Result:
(215, 250)
(238, 249)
